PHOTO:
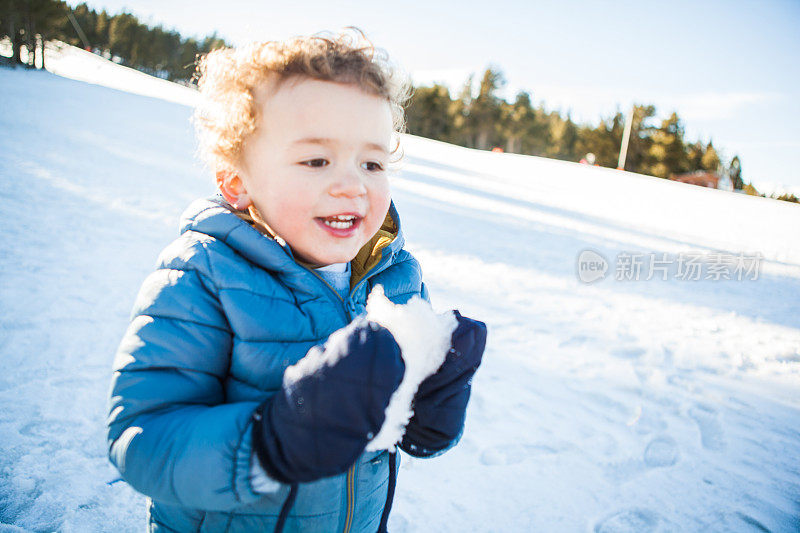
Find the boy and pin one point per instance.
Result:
(299, 134)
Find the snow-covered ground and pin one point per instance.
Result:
(619, 405)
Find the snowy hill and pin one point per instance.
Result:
(619, 405)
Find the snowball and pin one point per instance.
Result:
(424, 339)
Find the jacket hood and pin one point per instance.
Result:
(213, 216)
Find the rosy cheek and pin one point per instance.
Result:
(387, 200)
(383, 192)
(381, 210)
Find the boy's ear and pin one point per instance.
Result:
(232, 188)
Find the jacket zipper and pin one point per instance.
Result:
(351, 498)
(352, 291)
(328, 285)
(351, 472)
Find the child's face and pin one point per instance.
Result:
(315, 167)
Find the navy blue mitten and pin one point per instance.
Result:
(320, 425)
(440, 404)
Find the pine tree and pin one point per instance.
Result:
(463, 131)
(694, 155)
(101, 30)
(212, 42)
(30, 23)
(49, 16)
(638, 155)
(87, 20)
(188, 53)
(522, 130)
(428, 113)
(11, 27)
(563, 135)
(735, 172)
(484, 113)
(710, 160)
(603, 141)
(668, 151)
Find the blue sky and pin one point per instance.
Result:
(728, 68)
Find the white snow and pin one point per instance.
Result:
(78, 64)
(613, 406)
(424, 339)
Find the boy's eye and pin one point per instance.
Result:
(372, 166)
(315, 163)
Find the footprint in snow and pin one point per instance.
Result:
(661, 451)
(624, 470)
(711, 434)
(629, 521)
(602, 442)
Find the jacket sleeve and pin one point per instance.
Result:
(170, 433)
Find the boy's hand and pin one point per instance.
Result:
(441, 401)
(320, 426)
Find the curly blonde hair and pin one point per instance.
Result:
(228, 79)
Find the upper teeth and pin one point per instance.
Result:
(340, 221)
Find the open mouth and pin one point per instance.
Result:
(340, 223)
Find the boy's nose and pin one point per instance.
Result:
(348, 183)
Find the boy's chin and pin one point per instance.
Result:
(323, 260)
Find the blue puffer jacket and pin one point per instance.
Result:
(212, 330)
